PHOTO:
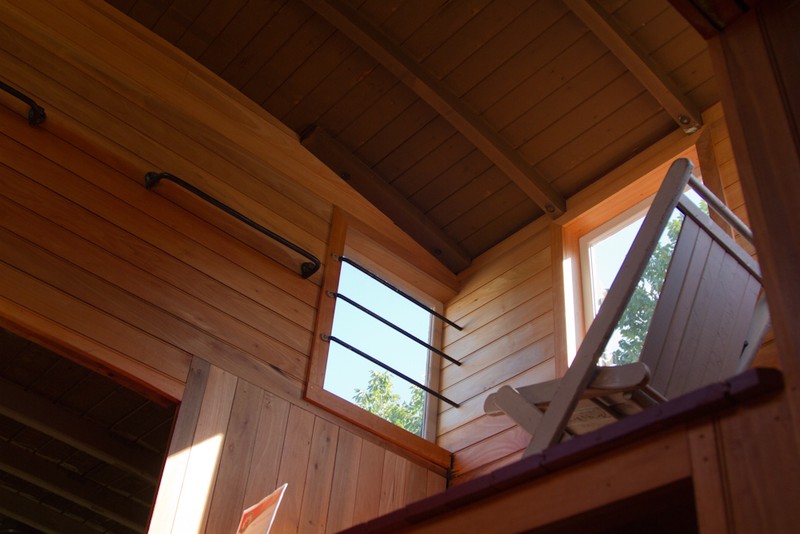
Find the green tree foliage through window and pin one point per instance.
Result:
(380, 399)
(635, 320)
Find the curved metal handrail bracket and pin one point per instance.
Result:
(151, 179)
(36, 114)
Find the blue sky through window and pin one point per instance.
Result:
(346, 370)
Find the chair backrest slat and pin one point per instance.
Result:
(741, 315)
(707, 300)
(699, 324)
(581, 371)
(659, 349)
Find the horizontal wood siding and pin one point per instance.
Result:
(82, 231)
(506, 309)
(138, 283)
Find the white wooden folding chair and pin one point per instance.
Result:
(708, 323)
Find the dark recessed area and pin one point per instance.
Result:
(77, 449)
(668, 509)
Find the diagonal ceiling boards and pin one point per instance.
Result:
(474, 128)
(388, 199)
(649, 73)
(440, 98)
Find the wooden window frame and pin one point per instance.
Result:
(614, 195)
(585, 241)
(351, 238)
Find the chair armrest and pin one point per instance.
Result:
(606, 380)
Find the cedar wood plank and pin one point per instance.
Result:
(227, 498)
(191, 510)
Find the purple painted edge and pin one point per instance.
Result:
(706, 400)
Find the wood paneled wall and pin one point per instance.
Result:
(506, 309)
(142, 283)
(138, 284)
(509, 303)
(234, 443)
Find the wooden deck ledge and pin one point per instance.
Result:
(696, 404)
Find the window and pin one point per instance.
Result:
(375, 358)
(602, 251)
(380, 390)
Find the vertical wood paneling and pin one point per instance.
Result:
(262, 478)
(294, 466)
(416, 483)
(435, 484)
(393, 483)
(335, 478)
(319, 477)
(192, 509)
(765, 478)
(370, 476)
(343, 490)
(229, 490)
(169, 490)
(707, 479)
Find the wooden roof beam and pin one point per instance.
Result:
(435, 94)
(647, 71)
(48, 418)
(47, 475)
(386, 198)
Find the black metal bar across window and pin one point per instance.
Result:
(400, 292)
(308, 268)
(390, 369)
(394, 326)
(36, 114)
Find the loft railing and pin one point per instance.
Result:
(378, 361)
(151, 179)
(36, 114)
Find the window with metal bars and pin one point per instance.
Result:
(380, 348)
(375, 345)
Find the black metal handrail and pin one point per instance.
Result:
(400, 292)
(36, 114)
(151, 179)
(391, 369)
(393, 326)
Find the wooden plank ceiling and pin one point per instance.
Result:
(463, 120)
(78, 452)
